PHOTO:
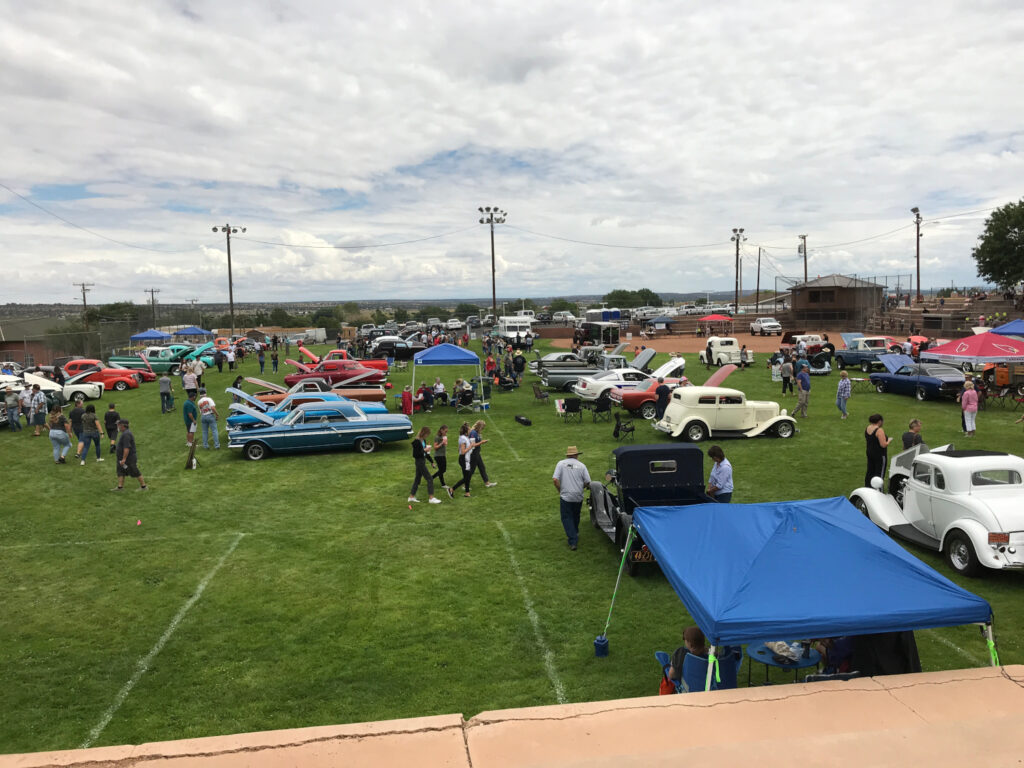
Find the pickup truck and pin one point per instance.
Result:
(765, 326)
(566, 378)
(167, 358)
(862, 351)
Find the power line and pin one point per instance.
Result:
(358, 247)
(615, 245)
(86, 229)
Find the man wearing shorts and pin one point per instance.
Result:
(127, 457)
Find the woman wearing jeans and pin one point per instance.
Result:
(90, 433)
(60, 435)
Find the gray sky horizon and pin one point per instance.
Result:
(625, 141)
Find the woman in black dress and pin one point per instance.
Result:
(877, 443)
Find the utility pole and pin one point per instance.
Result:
(917, 220)
(803, 249)
(757, 291)
(197, 317)
(152, 300)
(493, 215)
(228, 231)
(86, 287)
(737, 237)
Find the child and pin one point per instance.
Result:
(110, 419)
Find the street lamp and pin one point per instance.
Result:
(917, 220)
(492, 215)
(737, 237)
(228, 231)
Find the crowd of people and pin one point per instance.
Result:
(434, 452)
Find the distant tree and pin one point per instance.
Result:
(324, 318)
(700, 302)
(347, 312)
(401, 314)
(563, 305)
(379, 317)
(279, 316)
(430, 311)
(621, 297)
(464, 309)
(260, 318)
(1000, 253)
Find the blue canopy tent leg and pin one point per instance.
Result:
(603, 637)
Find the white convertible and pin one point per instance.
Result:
(969, 505)
(601, 385)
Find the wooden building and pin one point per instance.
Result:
(838, 302)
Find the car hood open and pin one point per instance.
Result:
(893, 362)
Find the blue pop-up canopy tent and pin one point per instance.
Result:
(151, 335)
(445, 354)
(1012, 328)
(193, 331)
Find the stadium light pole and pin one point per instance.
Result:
(228, 231)
(917, 220)
(737, 237)
(492, 215)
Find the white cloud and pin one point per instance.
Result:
(318, 123)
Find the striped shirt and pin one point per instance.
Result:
(844, 389)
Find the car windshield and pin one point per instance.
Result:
(995, 477)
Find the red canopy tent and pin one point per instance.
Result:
(716, 319)
(977, 350)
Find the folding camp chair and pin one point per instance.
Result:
(602, 410)
(623, 428)
(572, 410)
(539, 395)
(465, 401)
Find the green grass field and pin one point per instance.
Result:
(302, 590)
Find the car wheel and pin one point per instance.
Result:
(648, 411)
(121, 386)
(173, 370)
(858, 502)
(696, 432)
(568, 387)
(880, 388)
(752, 332)
(960, 554)
(721, 362)
(1020, 390)
(921, 394)
(897, 489)
(366, 445)
(256, 451)
(784, 429)
(840, 364)
(593, 515)
(865, 366)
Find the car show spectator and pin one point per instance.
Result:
(90, 434)
(707, 356)
(218, 360)
(844, 390)
(127, 457)
(476, 435)
(912, 436)
(441, 455)
(13, 410)
(439, 394)
(694, 644)
(261, 357)
(720, 479)
(969, 406)
(75, 417)
(60, 435)
(420, 454)
(803, 392)
(663, 393)
(190, 411)
(877, 444)
(490, 366)
(25, 404)
(110, 419)
(571, 477)
(744, 357)
(273, 360)
(908, 346)
(518, 366)
(466, 447)
(208, 418)
(189, 382)
(166, 397)
(37, 407)
(237, 384)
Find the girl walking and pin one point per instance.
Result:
(441, 454)
(60, 435)
(843, 391)
(466, 446)
(420, 453)
(478, 460)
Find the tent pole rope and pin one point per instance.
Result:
(618, 579)
(712, 668)
(990, 641)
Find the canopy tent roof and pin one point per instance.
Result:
(1012, 328)
(193, 331)
(663, 319)
(716, 319)
(986, 347)
(797, 569)
(151, 335)
(446, 354)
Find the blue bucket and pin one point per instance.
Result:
(601, 646)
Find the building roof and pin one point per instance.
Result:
(836, 281)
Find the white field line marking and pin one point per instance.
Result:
(975, 660)
(133, 540)
(143, 665)
(549, 658)
(493, 424)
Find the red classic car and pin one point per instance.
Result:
(335, 371)
(642, 400)
(118, 379)
(341, 354)
(273, 393)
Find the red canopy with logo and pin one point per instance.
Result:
(977, 350)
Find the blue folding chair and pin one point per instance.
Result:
(666, 662)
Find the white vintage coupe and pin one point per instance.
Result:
(697, 413)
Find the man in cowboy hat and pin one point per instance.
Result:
(570, 478)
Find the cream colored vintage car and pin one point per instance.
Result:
(697, 413)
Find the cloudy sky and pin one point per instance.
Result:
(646, 130)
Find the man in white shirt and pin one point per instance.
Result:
(570, 478)
(208, 418)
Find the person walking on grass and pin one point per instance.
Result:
(273, 361)
(420, 454)
(441, 454)
(90, 434)
(25, 403)
(37, 407)
(127, 457)
(803, 392)
(969, 406)
(844, 389)
(13, 410)
(110, 419)
(75, 417)
(191, 413)
(60, 435)
(262, 358)
(570, 478)
(189, 382)
(165, 392)
(466, 448)
(478, 460)
(208, 418)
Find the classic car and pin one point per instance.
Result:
(142, 374)
(335, 371)
(554, 359)
(274, 393)
(923, 380)
(697, 413)
(601, 385)
(642, 400)
(644, 475)
(396, 349)
(861, 351)
(343, 354)
(969, 505)
(724, 349)
(169, 358)
(242, 418)
(86, 369)
(320, 427)
(74, 387)
(765, 326)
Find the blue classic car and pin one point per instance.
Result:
(923, 380)
(243, 417)
(320, 427)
